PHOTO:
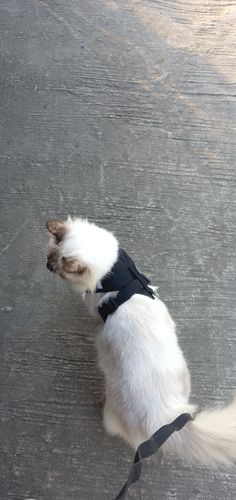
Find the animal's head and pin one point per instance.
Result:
(80, 252)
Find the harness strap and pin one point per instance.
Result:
(151, 446)
(134, 271)
(114, 302)
(124, 278)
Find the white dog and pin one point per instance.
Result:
(147, 379)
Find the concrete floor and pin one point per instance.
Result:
(123, 112)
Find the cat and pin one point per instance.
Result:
(147, 382)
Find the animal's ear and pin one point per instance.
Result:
(57, 228)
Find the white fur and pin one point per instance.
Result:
(147, 379)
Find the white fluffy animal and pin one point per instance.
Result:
(146, 375)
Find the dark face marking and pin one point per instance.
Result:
(65, 267)
(72, 266)
(53, 258)
(49, 266)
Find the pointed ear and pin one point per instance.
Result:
(57, 228)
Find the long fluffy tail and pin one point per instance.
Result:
(210, 438)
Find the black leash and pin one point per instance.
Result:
(151, 446)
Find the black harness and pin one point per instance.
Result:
(125, 278)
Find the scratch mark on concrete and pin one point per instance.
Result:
(59, 18)
(59, 89)
(12, 239)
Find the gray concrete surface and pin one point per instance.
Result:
(124, 112)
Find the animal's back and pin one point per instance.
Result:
(144, 368)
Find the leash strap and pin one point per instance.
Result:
(151, 446)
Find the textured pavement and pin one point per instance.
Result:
(123, 112)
